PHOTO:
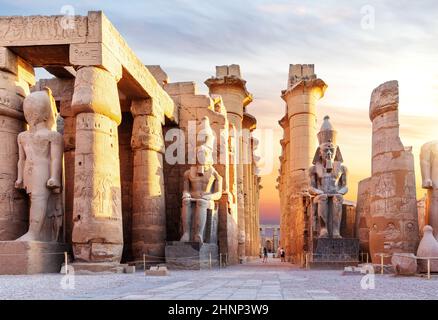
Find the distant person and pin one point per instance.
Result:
(282, 255)
(265, 255)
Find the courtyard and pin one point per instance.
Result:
(250, 281)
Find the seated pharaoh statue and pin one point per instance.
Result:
(328, 182)
(202, 187)
(40, 167)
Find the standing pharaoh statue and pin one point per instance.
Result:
(328, 182)
(429, 172)
(40, 167)
(202, 187)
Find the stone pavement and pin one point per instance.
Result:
(253, 280)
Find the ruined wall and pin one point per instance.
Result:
(393, 218)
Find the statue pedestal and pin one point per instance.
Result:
(330, 253)
(99, 267)
(191, 255)
(31, 257)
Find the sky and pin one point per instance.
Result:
(355, 46)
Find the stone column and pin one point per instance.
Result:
(97, 231)
(15, 77)
(149, 209)
(274, 240)
(229, 84)
(248, 125)
(304, 91)
(393, 219)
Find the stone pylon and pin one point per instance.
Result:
(393, 219)
(228, 83)
(15, 77)
(303, 91)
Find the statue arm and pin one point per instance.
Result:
(425, 163)
(217, 188)
(186, 185)
(20, 165)
(343, 181)
(56, 152)
(313, 190)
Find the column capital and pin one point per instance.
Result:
(147, 107)
(96, 92)
(147, 134)
(312, 86)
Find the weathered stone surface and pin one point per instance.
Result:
(393, 219)
(31, 257)
(97, 231)
(404, 263)
(191, 255)
(149, 208)
(428, 248)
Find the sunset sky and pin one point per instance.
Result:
(188, 38)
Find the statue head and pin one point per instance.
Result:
(204, 157)
(40, 107)
(206, 134)
(328, 152)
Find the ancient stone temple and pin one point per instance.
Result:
(388, 197)
(126, 138)
(300, 220)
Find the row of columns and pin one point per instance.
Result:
(93, 203)
(93, 212)
(229, 84)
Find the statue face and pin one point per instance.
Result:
(328, 151)
(204, 156)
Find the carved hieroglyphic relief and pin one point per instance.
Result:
(19, 30)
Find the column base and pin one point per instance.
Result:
(31, 257)
(191, 255)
